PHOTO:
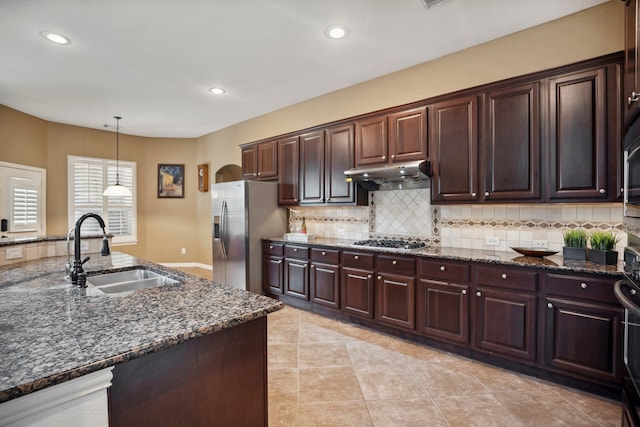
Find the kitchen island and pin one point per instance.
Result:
(208, 341)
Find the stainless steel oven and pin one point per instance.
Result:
(632, 174)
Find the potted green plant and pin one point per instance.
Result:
(602, 245)
(575, 244)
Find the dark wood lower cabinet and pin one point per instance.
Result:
(442, 310)
(272, 274)
(325, 284)
(296, 278)
(505, 323)
(395, 296)
(577, 332)
(217, 380)
(357, 292)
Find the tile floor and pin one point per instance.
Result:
(325, 372)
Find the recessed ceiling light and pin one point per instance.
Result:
(217, 90)
(55, 38)
(337, 31)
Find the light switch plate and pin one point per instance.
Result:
(540, 244)
(492, 241)
(13, 253)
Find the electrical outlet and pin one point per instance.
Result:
(540, 244)
(492, 241)
(184, 251)
(341, 232)
(13, 253)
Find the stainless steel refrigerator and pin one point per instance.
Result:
(243, 213)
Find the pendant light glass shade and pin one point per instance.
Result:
(117, 190)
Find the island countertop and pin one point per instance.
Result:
(52, 331)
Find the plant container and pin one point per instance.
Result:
(603, 257)
(574, 253)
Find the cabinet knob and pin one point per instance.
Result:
(255, 174)
(384, 157)
(442, 268)
(379, 277)
(295, 249)
(464, 292)
(633, 98)
(368, 276)
(270, 246)
(486, 194)
(474, 194)
(259, 173)
(393, 156)
(478, 294)
(504, 276)
(602, 191)
(394, 262)
(324, 253)
(313, 266)
(356, 257)
(550, 305)
(583, 285)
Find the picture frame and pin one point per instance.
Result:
(170, 181)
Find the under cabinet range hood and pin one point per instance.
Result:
(392, 177)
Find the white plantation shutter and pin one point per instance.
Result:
(25, 197)
(90, 177)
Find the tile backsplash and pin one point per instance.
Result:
(408, 214)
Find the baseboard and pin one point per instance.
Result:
(188, 265)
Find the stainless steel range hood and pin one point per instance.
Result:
(391, 177)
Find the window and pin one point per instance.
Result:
(88, 177)
(22, 199)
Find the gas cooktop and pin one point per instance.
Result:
(393, 244)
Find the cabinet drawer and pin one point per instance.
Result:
(511, 278)
(272, 248)
(581, 287)
(294, 251)
(446, 271)
(358, 260)
(397, 264)
(326, 256)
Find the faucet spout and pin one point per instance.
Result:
(77, 274)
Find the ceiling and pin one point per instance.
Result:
(152, 61)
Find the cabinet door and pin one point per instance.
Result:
(396, 300)
(288, 163)
(325, 284)
(250, 163)
(578, 136)
(584, 339)
(632, 67)
(312, 167)
(268, 160)
(505, 323)
(512, 147)
(408, 135)
(371, 141)
(272, 280)
(442, 310)
(339, 158)
(454, 139)
(296, 278)
(356, 293)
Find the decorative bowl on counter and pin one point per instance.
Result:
(536, 252)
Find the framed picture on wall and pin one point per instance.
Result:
(170, 181)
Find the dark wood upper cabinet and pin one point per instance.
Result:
(408, 135)
(260, 161)
(371, 141)
(512, 145)
(631, 67)
(578, 136)
(339, 157)
(454, 144)
(312, 168)
(289, 161)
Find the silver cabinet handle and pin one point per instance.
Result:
(464, 292)
(324, 253)
(602, 191)
(583, 285)
(394, 262)
(356, 257)
(473, 194)
(550, 305)
(504, 276)
(478, 294)
(379, 277)
(633, 98)
(486, 194)
(442, 268)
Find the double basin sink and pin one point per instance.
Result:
(129, 280)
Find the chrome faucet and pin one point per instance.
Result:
(76, 273)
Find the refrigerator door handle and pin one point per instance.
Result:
(224, 236)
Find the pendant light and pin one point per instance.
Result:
(117, 190)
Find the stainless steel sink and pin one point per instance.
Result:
(129, 280)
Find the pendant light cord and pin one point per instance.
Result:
(117, 149)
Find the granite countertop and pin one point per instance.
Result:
(553, 262)
(52, 331)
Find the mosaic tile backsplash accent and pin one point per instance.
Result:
(408, 214)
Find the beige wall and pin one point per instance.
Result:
(23, 138)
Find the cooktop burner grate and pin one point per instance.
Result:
(385, 243)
